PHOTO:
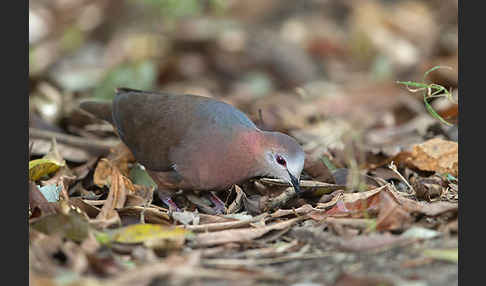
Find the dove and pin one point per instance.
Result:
(191, 142)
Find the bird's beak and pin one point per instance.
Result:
(295, 183)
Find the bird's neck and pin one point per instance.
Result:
(250, 149)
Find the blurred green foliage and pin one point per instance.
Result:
(173, 9)
(138, 75)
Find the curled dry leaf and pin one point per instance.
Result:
(120, 186)
(391, 215)
(237, 204)
(351, 199)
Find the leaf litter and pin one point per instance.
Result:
(380, 185)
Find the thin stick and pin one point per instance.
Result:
(96, 147)
(394, 169)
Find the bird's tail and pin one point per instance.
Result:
(100, 109)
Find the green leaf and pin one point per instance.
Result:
(434, 113)
(435, 68)
(414, 84)
(439, 91)
(139, 176)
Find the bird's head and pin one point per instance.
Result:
(283, 158)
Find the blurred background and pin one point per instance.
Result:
(325, 72)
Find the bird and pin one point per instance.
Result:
(197, 143)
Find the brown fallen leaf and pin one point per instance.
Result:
(428, 209)
(241, 235)
(436, 155)
(151, 215)
(347, 202)
(120, 187)
(237, 204)
(102, 174)
(391, 216)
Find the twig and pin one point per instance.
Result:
(147, 204)
(282, 199)
(394, 169)
(225, 225)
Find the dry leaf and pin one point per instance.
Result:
(150, 214)
(436, 155)
(120, 187)
(391, 216)
(352, 201)
(240, 235)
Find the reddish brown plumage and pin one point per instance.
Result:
(194, 142)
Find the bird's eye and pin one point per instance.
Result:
(281, 160)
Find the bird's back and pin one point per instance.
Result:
(155, 126)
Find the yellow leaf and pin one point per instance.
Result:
(451, 255)
(41, 167)
(139, 233)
